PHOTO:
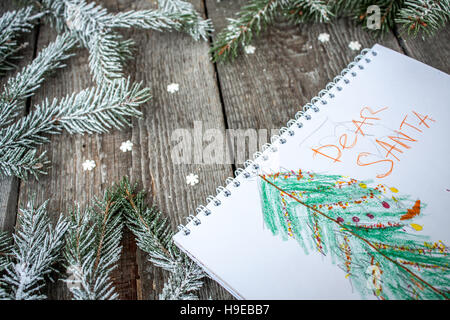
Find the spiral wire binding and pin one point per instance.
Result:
(252, 165)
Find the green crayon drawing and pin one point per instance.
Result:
(367, 230)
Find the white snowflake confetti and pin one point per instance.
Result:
(324, 37)
(126, 146)
(192, 179)
(173, 87)
(249, 49)
(354, 45)
(88, 165)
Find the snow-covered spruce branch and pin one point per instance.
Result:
(30, 78)
(107, 55)
(299, 11)
(191, 21)
(12, 24)
(94, 110)
(36, 249)
(250, 20)
(86, 19)
(184, 279)
(21, 162)
(154, 236)
(424, 16)
(93, 248)
(94, 27)
(5, 257)
(88, 245)
(5, 250)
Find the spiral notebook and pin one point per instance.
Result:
(349, 201)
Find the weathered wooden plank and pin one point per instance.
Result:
(65, 182)
(8, 202)
(290, 66)
(9, 186)
(160, 60)
(259, 91)
(434, 51)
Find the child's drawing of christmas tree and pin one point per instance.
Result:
(368, 230)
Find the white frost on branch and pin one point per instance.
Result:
(37, 247)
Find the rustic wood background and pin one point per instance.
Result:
(260, 91)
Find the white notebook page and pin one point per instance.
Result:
(234, 245)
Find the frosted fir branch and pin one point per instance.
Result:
(94, 28)
(192, 22)
(87, 19)
(94, 110)
(5, 250)
(261, 13)
(30, 78)
(22, 162)
(183, 280)
(154, 236)
(93, 249)
(5, 258)
(37, 247)
(423, 16)
(12, 25)
(171, 15)
(107, 54)
(240, 31)
(300, 11)
(99, 109)
(84, 20)
(146, 19)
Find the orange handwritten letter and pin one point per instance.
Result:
(332, 146)
(365, 154)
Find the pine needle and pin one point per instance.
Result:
(37, 247)
(154, 237)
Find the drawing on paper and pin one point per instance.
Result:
(368, 230)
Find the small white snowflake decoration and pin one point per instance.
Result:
(324, 37)
(126, 146)
(173, 87)
(249, 49)
(192, 179)
(354, 45)
(88, 165)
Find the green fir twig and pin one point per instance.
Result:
(154, 236)
(93, 248)
(36, 249)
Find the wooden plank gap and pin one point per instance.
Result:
(219, 87)
(400, 40)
